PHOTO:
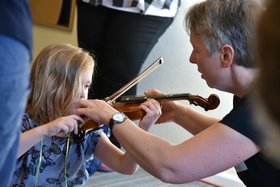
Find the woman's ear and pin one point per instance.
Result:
(227, 55)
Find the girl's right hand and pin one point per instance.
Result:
(63, 125)
(153, 112)
(168, 108)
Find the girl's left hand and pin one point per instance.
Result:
(62, 126)
(153, 112)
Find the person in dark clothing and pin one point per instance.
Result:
(15, 55)
(121, 35)
(222, 34)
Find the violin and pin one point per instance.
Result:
(130, 105)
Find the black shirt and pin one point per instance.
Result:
(257, 170)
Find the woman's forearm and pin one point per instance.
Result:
(152, 151)
(192, 120)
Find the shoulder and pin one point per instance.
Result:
(241, 119)
(241, 108)
(27, 123)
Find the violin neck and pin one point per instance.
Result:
(141, 99)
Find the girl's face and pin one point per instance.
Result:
(86, 78)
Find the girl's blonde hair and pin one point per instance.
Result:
(55, 81)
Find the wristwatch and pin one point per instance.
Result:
(117, 118)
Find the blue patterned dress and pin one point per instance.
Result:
(53, 169)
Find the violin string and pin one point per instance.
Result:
(39, 162)
(65, 161)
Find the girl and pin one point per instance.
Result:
(60, 76)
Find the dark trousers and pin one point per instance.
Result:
(120, 42)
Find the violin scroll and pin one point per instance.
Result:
(212, 102)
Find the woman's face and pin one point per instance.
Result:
(208, 65)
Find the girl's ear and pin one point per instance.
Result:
(227, 55)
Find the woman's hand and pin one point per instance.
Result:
(98, 111)
(153, 112)
(63, 125)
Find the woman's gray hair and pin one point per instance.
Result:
(231, 22)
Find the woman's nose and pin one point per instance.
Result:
(192, 58)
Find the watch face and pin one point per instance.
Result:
(119, 117)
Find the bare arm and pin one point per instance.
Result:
(58, 127)
(116, 158)
(213, 150)
(113, 157)
(190, 119)
(30, 138)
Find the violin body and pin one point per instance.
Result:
(131, 110)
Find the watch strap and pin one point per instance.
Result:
(111, 124)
